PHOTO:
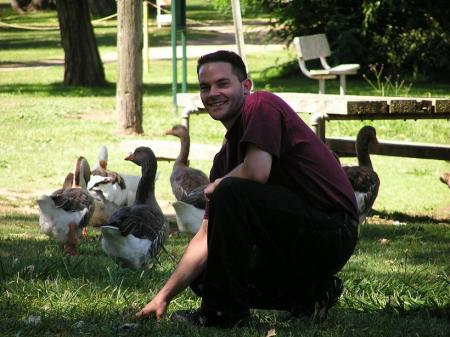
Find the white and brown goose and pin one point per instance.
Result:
(445, 178)
(104, 209)
(135, 234)
(187, 185)
(364, 179)
(115, 187)
(64, 213)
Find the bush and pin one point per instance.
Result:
(411, 37)
(249, 8)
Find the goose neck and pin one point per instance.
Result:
(145, 192)
(182, 158)
(79, 176)
(362, 153)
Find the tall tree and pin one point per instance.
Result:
(21, 6)
(102, 7)
(82, 63)
(129, 66)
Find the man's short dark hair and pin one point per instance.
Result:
(237, 65)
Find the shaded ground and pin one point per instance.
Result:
(224, 38)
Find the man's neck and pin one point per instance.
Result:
(230, 122)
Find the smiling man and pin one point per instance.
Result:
(281, 218)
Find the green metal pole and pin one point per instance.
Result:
(183, 42)
(174, 55)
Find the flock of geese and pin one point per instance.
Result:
(125, 208)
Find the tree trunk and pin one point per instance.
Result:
(82, 63)
(20, 6)
(102, 7)
(129, 66)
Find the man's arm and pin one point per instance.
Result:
(190, 266)
(256, 166)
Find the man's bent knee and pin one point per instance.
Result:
(232, 186)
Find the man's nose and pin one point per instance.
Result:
(214, 90)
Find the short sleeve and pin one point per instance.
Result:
(262, 123)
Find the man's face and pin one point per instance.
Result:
(221, 91)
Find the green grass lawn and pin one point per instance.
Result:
(396, 283)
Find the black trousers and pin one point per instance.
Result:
(268, 248)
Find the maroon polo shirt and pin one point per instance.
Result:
(300, 160)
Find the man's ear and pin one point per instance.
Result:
(247, 85)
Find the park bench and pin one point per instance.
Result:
(338, 107)
(313, 47)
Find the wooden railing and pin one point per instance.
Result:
(339, 107)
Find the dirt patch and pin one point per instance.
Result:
(16, 201)
(90, 116)
(24, 202)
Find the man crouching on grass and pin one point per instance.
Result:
(281, 218)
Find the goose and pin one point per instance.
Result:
(103, 209)
(135, 234)
(66, 211)
(445, 178)
(115, 187)
(187, 185)
(364, 179)
(183, 178)
(190, 211)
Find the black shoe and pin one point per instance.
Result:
(326, 296)
(199, 318)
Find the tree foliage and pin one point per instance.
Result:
(410, 37)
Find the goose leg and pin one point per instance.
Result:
(85, 232)
(70, 247)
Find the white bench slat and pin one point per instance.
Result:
(348, 69)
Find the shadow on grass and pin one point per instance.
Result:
(104, 295)
(35, 40)
(21, 230)
(408, 218)
(23, 219)
(42, 260)
(15, 39)
(109, 90)
(93, 319)
(58, 89)
(114, 321)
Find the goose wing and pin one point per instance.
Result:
(365, 183)
(185, 179)
(140, 220)
(71, 200)
(196, 197)
(362, 178)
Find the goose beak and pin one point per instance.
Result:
(130, 156)
(168, 132)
